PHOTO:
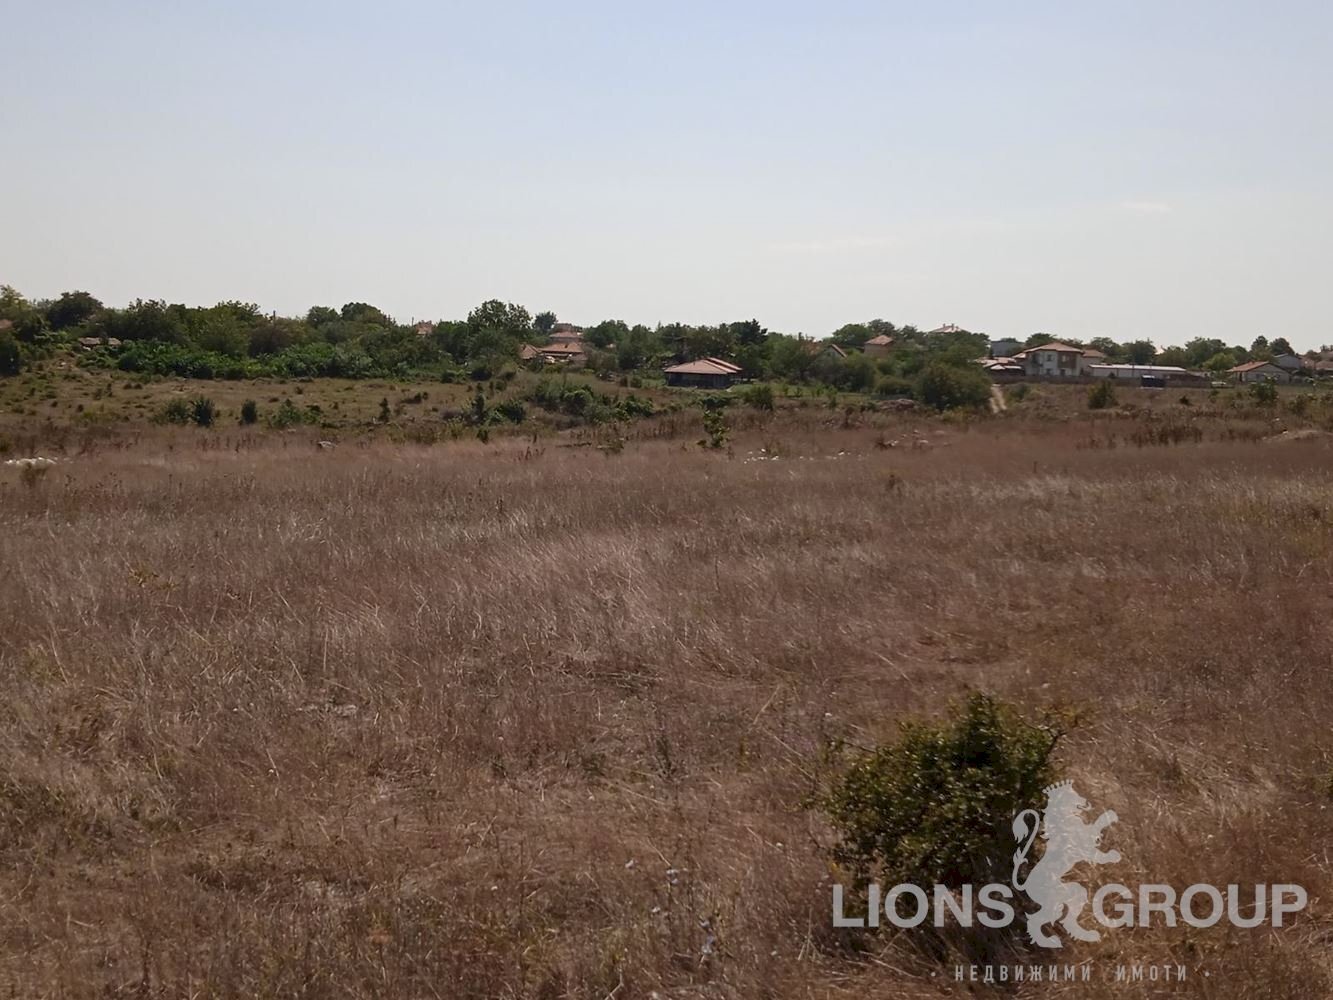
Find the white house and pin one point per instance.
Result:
(1054, 360)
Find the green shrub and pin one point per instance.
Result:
(290, 415)
(512, 410)
(935, 806)
(11, 358)
(893, 385)
(1263, 393)
(759, 396)
(715, 427)
(1102, 395)
(249, 412)
(947, 387)
(635, 406)
(202, 411)
(176, 411)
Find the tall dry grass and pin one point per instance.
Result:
(536, 721)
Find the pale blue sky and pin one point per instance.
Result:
(1160, 169)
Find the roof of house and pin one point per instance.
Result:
(1092, 352)
(704, 366)
(527, 352)
(883, 340)
(569, 349)
(948, 328)
(1250, 366)
(820, 346)
(1054, 345)
(6, 324)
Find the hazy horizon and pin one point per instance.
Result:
(1153, 172)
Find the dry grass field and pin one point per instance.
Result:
(529, 719)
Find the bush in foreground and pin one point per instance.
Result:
(1101, 396)
(935, 806)
(948, 387)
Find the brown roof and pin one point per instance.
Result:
(948, 328)
(1250, 366)
(527, 353)
(563, 349)
(724, 363)
(883, 340)
(820, 346)
(704, 366)
(6, 324)
(1092, 352)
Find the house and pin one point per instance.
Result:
(823, 349)
(566, 333)
(563, 354)
(1053, 360)
(1001, 366)
(878, 347)
(1005, 347)
(704, 373)
(1259, 371)
(947, 328)
(1290, 362)
(424, 328)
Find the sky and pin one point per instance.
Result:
(1134, 169)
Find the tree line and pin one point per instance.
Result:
(359, 340)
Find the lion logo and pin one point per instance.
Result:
(1070, 840)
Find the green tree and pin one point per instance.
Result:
(543, 322)
(503, 317)
(1140, 352)
(1279, 346)
(851, 335)
(1200, 349)
(1114, 352)
(608, 332)
(1220, 361)
(11, 358)
(152, 319)
(789, 358)
(948, 387)
(709, 341)
(636, 347)
(321, 316)
(1259, 348)
(27, 321)
(364, 312)
(71, 309)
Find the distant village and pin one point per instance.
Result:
(1007, 361)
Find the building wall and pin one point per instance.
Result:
(1049, 363)
(1265, 375)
